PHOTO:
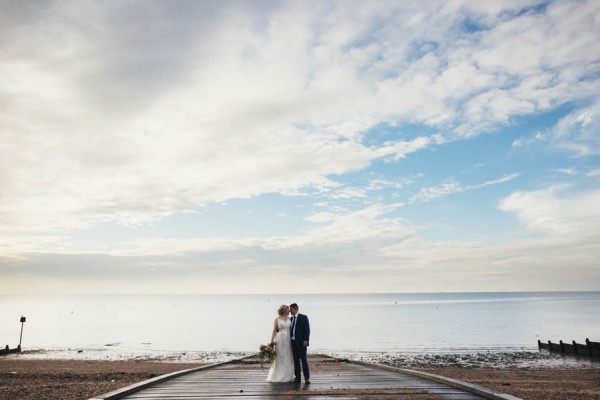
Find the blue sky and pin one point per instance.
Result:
(238, 147)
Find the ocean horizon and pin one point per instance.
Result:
(113, 326)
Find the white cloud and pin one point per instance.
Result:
(368, 249)
(503, 179)
(433, 192)
(399, 149)
(567, 171)
(321, 217)
(527, 141)
(451, 186)
(354, 192)
(350, 228)
(351, 231)
(349, 193)
(564, 261)
(553, 210)
(15, 245)
(577, 133)
(120, 119)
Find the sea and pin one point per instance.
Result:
(208, 327)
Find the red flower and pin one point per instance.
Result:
(267, 352)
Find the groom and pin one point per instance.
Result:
(300, 331)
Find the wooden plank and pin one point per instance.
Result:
(244, 381)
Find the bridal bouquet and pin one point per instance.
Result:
(267, 352)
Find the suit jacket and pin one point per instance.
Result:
(302, 328)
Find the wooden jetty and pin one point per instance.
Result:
(589, 349)
(331, 379)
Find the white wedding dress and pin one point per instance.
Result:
(282, 370)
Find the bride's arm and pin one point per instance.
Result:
(275, 329)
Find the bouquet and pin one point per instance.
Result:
(267, 352)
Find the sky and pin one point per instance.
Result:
(299, 146)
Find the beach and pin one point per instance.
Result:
(534, 375)
(27, 379)
(531, 383)
(82, 346)
(37, 379)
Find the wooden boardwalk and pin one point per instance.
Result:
(332, 379)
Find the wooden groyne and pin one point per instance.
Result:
(589, 349)
(17, 349)
(7, 350)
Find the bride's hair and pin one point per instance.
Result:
(282, 309)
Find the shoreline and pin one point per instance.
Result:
(110, 353)
(463, 359)
(478, 359)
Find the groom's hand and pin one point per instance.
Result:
(305, 343)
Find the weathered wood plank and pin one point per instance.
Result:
(345, 381)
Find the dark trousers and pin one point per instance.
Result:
(300, 357)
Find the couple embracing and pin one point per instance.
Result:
(291, 336)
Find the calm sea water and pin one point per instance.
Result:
(396, 323)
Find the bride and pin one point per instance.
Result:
(282, 369)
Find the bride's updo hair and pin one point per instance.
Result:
(282, 309)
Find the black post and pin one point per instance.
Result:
(562, 347)
(574, 347)
(23, 320)
(589, 346)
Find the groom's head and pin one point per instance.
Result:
(294, 308)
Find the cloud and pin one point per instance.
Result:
(341, 228)
(503, 179)
(516, 265)
(433, 192)
(574, 134)
(349, 193)
(554, 210)
(527, 141)
(361, 192)
(451, 186)
(577, 133)
(567, 171)
(364, 250)
(380, 184)
(321, 217)
(147, 109)
(346, 242)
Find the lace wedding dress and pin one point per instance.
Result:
(282, 369)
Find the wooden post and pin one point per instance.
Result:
(562, 347)
(574, 347)
(539, 344)
(550, 345)
(589, 347)
(23, 320)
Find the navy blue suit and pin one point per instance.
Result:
(300, 334)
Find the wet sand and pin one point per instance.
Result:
(76, 379)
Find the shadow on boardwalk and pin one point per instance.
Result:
(331, 379)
